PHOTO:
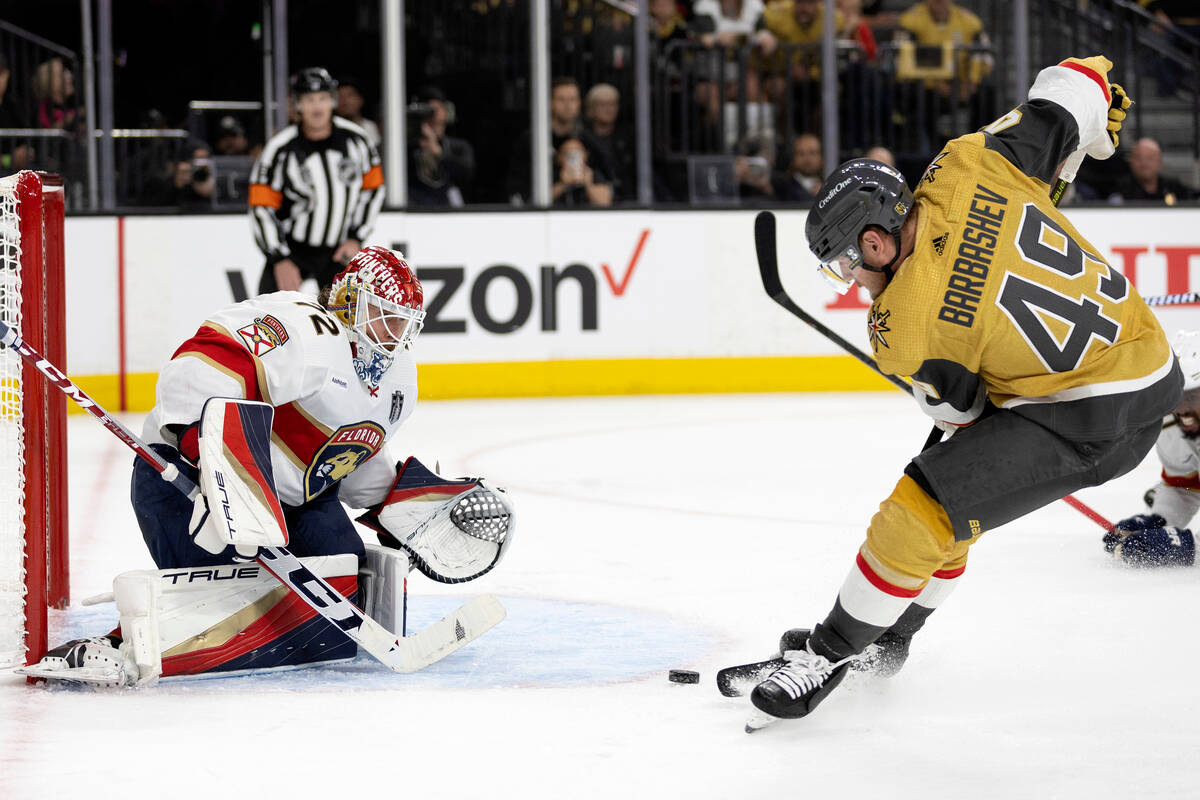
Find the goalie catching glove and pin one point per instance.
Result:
(1147, 541)
(454, 530)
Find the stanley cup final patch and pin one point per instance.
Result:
(397, 406)
(263, 335)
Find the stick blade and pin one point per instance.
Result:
(764, 248)
(458, 628)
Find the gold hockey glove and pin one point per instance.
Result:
(1116, 112)
(1098, 64)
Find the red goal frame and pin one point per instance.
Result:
(40, 207)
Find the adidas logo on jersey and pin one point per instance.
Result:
(939, 243)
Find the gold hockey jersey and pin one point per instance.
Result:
(1002, 298)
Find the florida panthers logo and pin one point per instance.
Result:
(348, 448)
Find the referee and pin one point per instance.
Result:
(315, 190)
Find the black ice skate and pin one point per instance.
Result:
(739, 680)
(796, 688)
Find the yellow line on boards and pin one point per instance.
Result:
(585, 377)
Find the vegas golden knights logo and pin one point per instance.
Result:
(877, 326)
(347, 449)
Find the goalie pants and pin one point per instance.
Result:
(317, 528)
(999, 469)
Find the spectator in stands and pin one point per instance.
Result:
(798, 24)
(855, 29)
(231, 138)
(576, 181)
(1170, 17)
(754, 169)
(190, 184)
(880, 153)
(667, 24)
(15, 154)
(805, 172)
(602, 108)
(441, 167)
(350, 105)
(1145, 180)
(937, 22)
(729, 25)
(54, 91)
(565, 124)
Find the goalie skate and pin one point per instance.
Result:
(95, 661)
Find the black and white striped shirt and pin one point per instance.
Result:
(315, 193)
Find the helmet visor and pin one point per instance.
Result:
(839, 271)
(386, 325)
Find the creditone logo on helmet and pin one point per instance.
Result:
(837, 188)
(348, 448)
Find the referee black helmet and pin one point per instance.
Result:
(313, 79)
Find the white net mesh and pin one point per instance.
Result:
(12, 443)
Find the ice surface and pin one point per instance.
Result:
(657, 533)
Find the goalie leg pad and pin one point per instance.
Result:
(206, 620)
(455, 530)
(382, 581)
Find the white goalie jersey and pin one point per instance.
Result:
(286, 350)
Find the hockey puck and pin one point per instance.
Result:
(683, 676)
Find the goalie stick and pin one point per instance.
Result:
(768, 268)
(400, 654)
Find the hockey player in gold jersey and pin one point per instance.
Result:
(1043, 362)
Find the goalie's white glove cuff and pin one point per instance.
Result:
(209, 535)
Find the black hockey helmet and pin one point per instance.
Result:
(313, 79)
(859, 193)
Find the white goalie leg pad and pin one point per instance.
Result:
(382, 581)
(136, 594)
(236, 476)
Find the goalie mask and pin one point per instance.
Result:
(454, 530)
(378, 298)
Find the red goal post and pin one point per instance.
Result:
(33, 437)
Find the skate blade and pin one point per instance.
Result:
(760, 720)
(77, 676)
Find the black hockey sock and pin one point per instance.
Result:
(841, 635)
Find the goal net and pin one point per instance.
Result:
(33, 496)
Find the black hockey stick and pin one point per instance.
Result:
(768, 268)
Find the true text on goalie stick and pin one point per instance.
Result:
(406, 654)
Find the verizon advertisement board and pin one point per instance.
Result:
(508, 287)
